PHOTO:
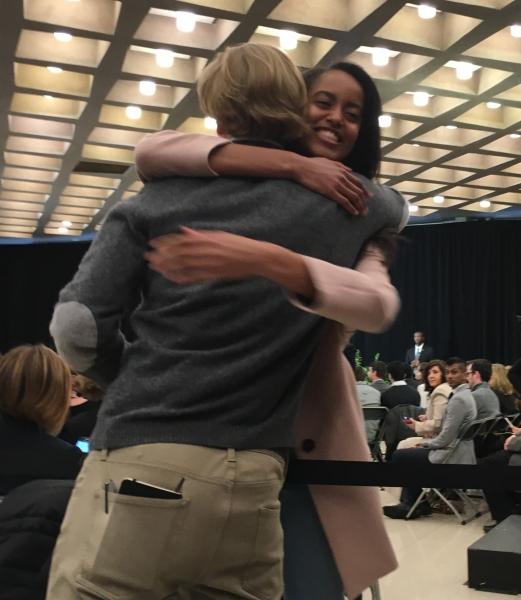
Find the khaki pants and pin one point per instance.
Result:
(222, 540)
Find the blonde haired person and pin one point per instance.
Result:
(35, 385)
(203, 403)
(504, 390)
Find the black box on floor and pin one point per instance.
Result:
(494, 561)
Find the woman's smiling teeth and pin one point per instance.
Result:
(328, 136)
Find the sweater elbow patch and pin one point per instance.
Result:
(74, 330)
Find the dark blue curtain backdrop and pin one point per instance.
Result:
(459, 282)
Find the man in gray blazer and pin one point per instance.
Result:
(461, 412)
(479, 372)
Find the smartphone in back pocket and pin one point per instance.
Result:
(142, 489)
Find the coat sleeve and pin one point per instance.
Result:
(439, 406)
(451, 425)
(87, 318)
(361, 298)
(171, 153)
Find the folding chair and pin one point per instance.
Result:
(469, 433)
(485, 442)
(374, 416)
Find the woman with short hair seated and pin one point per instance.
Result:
(35, 386)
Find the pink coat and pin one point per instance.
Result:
(330, 413)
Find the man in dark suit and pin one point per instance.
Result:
(420, 352)
(399, 392)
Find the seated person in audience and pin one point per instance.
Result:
(399, 392)
(84, 404)
(461, 412)
(504, 390)
(503, 503)
(410, 377)
(479, 372)
(35, 386)
(377, 374)
(419, 375)
(429, 424)
(367, 396)
(366, 393)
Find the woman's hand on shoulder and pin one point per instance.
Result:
(333, 180)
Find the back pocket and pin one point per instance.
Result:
(263, 573)
(132, 545)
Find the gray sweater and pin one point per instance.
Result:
(217, 364)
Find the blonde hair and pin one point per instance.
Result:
(35, 384)
(499, 380)
(254, 90)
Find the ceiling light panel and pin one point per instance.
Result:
(306, 54)
(406, 27)
(32, 161)
(126, 91)
(160, 29)
(38, 104)
(43, 46)
(142, 62)
(90, 15)
(115, 137)
(44, 128)
(501, 45)
(18, 143)
(69, 83)
(337, 15)
(116, 115)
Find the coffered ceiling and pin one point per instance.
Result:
(74, 105)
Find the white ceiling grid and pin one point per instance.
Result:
(71, 69)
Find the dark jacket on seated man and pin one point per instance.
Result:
(400, 394)
(30, 520)
(28, 453)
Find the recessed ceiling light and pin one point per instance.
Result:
(485, 203)
(426, 11)
(147, 87)
(62, 36)
(439, 199)
(48, 96)
(185, 21)
(493, 105)
(380, 57)
(133, 112)
(63, 230)
(515, 31)
(420, 98)
(164, 58)
(288, 39)
(66, 223)
(385, 121)
(416, 145)
(413, 208)
(515, 136)
(210, 123)
(451, 126)
(54, 69)
(464, 70)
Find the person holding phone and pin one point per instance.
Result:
(204, 402)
